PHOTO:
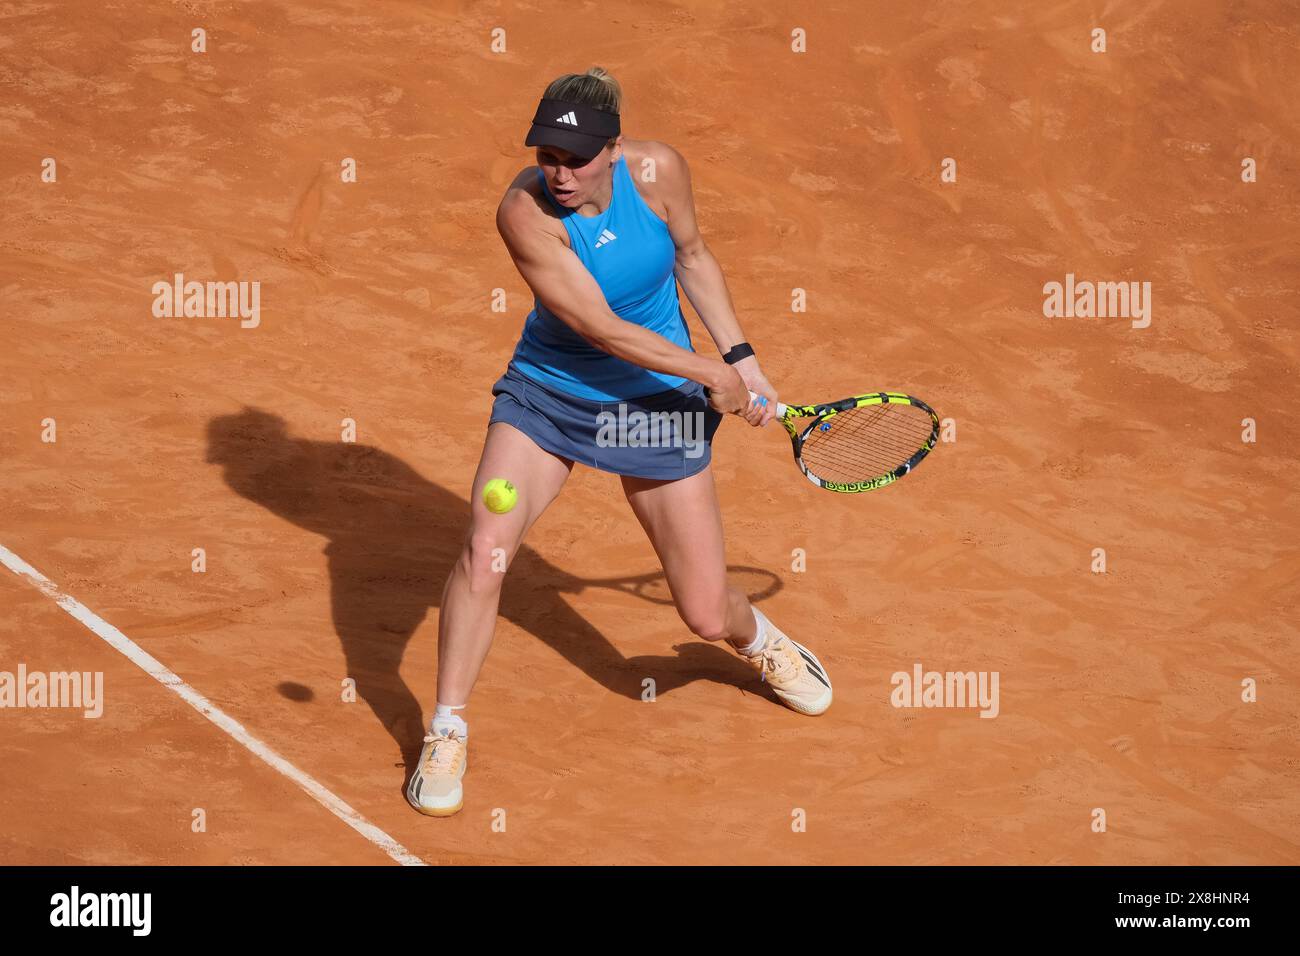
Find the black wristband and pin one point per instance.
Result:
(742, 351)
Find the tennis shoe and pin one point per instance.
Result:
(793, 672)
(435, 787)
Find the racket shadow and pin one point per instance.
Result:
(392, 537)
(531, 600)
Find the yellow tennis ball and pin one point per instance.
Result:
(499, 496)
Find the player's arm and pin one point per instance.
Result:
(701, 277)
(562, 283)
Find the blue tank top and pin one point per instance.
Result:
(630, 252)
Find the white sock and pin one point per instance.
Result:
(760, 634)
(445, 721)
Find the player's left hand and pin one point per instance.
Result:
(758, 413)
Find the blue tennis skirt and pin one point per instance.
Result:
(667, 435)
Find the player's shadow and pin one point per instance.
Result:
(392, 539)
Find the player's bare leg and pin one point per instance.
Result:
(467, 620)
(472, 594)
(684, 523)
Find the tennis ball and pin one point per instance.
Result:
(499, 496)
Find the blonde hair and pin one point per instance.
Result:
(595, 88)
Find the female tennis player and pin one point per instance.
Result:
(605, 375)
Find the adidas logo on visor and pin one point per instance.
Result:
(570, 118)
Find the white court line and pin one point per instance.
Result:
(155, 669)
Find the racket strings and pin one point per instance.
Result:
(866, 442)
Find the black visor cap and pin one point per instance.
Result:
(576, 127)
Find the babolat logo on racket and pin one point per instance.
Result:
(853, 487)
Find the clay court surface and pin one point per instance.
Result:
(820, 171)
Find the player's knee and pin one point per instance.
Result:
(485, 559)
(706, 620)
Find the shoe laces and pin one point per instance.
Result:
(446, 750)
(777, 658)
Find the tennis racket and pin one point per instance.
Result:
(861, 443)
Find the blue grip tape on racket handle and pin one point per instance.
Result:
(780, 409)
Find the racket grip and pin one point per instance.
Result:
(780, 409)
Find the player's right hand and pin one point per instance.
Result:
(728, 394)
